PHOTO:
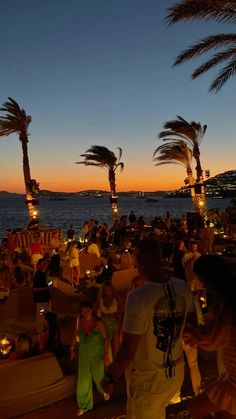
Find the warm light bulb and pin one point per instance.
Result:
(4, 341)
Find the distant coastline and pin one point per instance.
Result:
(222, 185)
(5, 194)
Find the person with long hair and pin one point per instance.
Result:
(91, 336)
(219, 333)
(109, 310)
(23, 347)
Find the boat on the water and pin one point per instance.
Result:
(98, 195)
(141, 195)
(58, 198)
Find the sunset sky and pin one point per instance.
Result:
(100, 72)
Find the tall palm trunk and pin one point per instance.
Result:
(200, 194)
(113, 196)
(26, 167)
(17, 121)
(103, 157)
(31, 195)
(185, 138)
(192, 186)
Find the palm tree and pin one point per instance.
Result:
(180, 131)
(177, 152)
(16, 121)
(101, 156)
(219, 11)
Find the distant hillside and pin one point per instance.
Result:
(222, 185)
(5, 194)
(225, 178)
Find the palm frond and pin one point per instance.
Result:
(181, 131)
(169, 162)
(15, 120)
(215, 60)
(102, 153)
(184, 138)
(174, 147)
(86, 163)
(12, 107)
(205, 45)
(182, 127)
(5, 131)
(170, 133)
(101, 156)
(121, 166)
(176, 152)
(119, 153)
(220, 11)
(224, 76)
(217, 10)
(9, 125)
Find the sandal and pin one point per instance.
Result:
(106, 396)
(80, 412)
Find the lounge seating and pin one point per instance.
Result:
(32, 383)
(18, 312)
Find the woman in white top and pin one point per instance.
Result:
(109, 310)
(93, 248)
(73, 254)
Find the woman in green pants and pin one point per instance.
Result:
(93, 353)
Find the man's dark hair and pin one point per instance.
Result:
(148, 254)
(149, 246)
(41, 260)
(86, 304)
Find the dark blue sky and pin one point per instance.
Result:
(100, 72)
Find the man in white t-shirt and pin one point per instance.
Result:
(151, 352)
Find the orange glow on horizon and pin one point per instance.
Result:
(76, 178)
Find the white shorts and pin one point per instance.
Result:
(142, 403)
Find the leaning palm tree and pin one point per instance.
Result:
(177, 152)
(191, 134)
(16, 121)
(219, 11)
(101, 156)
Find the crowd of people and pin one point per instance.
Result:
(181, 301)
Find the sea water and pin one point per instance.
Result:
(75, 210)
